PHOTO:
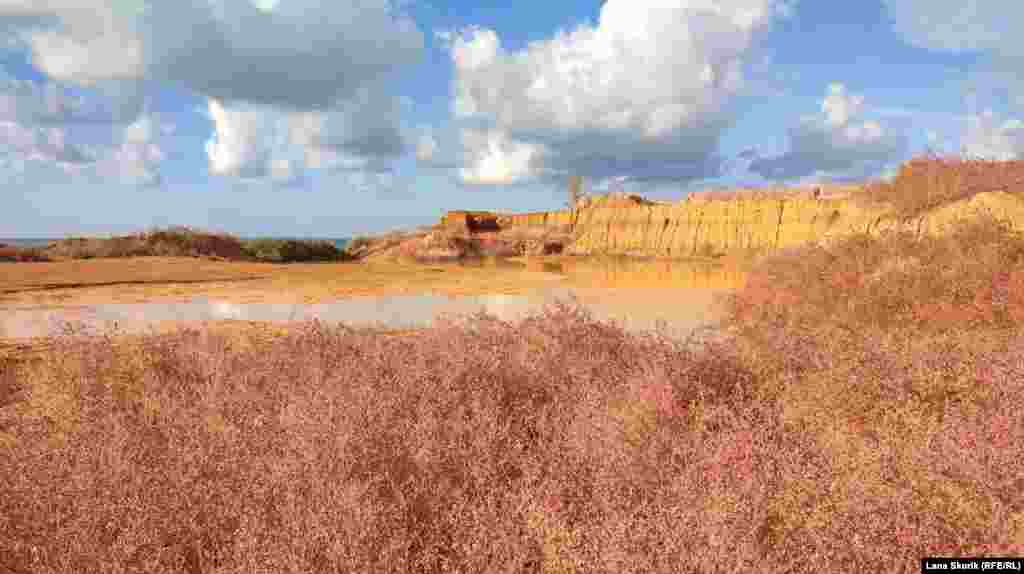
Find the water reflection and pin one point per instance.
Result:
(639, 293)
(634, 273)
(682, 310)
(628, 272)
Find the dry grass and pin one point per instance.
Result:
(13, 254)
(931, 181)
(971, 278)
(558, 444)
(188, 242)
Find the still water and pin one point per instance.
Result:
(637, 294)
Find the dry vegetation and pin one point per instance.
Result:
(13, 254)
(929, 182)
(862, 411)
(437, 243)
(179, 242)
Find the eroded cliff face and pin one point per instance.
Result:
(706, 225)
(709, 224)
(700, 227)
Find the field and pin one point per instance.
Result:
(860, 410)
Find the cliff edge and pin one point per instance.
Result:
(714, 223)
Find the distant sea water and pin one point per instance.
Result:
(44, 241)
(27, 242)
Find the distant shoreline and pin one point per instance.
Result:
(44, 241)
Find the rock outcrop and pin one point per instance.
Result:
(704, 227)
(712, 223)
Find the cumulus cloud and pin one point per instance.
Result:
(494, 158)
(53, 103)
(256, 141)
(644, 92)
(31, 131)
(47, 126)
(42, 145)
(426, 146)
(238, 146)
(269, 52)
(990, 27)
(137, 156)
(313, 75)
(989, 136)
(79, 41)
(835, 143)
(958, 25)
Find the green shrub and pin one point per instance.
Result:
(294, 250)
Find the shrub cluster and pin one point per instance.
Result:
(931, 181)
(556, 444)
(187, 242)
(12, 254)
(293, 250)
(970, 278)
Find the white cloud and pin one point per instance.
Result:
(959, 25)
(311, 74)
(238, 145)
(839, 107)
(426, 146)
(138, 157)
(256, 141)
(989, 27)
(42, 145)
(836, 143)
(493, 158)
(645, 92)
(300, 53)
(988, 136)
(49, 129)
(74, 40)
(32, 131)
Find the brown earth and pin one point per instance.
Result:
(137, 280)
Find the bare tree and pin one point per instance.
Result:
(575, 190)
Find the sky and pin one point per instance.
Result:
(314, 118)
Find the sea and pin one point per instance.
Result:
(339, 242)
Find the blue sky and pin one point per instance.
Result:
(308, 118)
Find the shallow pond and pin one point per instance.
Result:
(682, 311)
(639, 294)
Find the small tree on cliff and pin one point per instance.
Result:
(575, 190)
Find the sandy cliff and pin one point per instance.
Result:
(708, 224)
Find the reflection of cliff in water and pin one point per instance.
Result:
(628, 272)
(623, 272)
(638, 293)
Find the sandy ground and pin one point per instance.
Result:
(145, 279)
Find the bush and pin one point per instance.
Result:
(293, 250)
(171, 242)
(12, 254)
(187, 242)
(971, 278)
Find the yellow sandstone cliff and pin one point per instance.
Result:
(763, 220)
(705, 224)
